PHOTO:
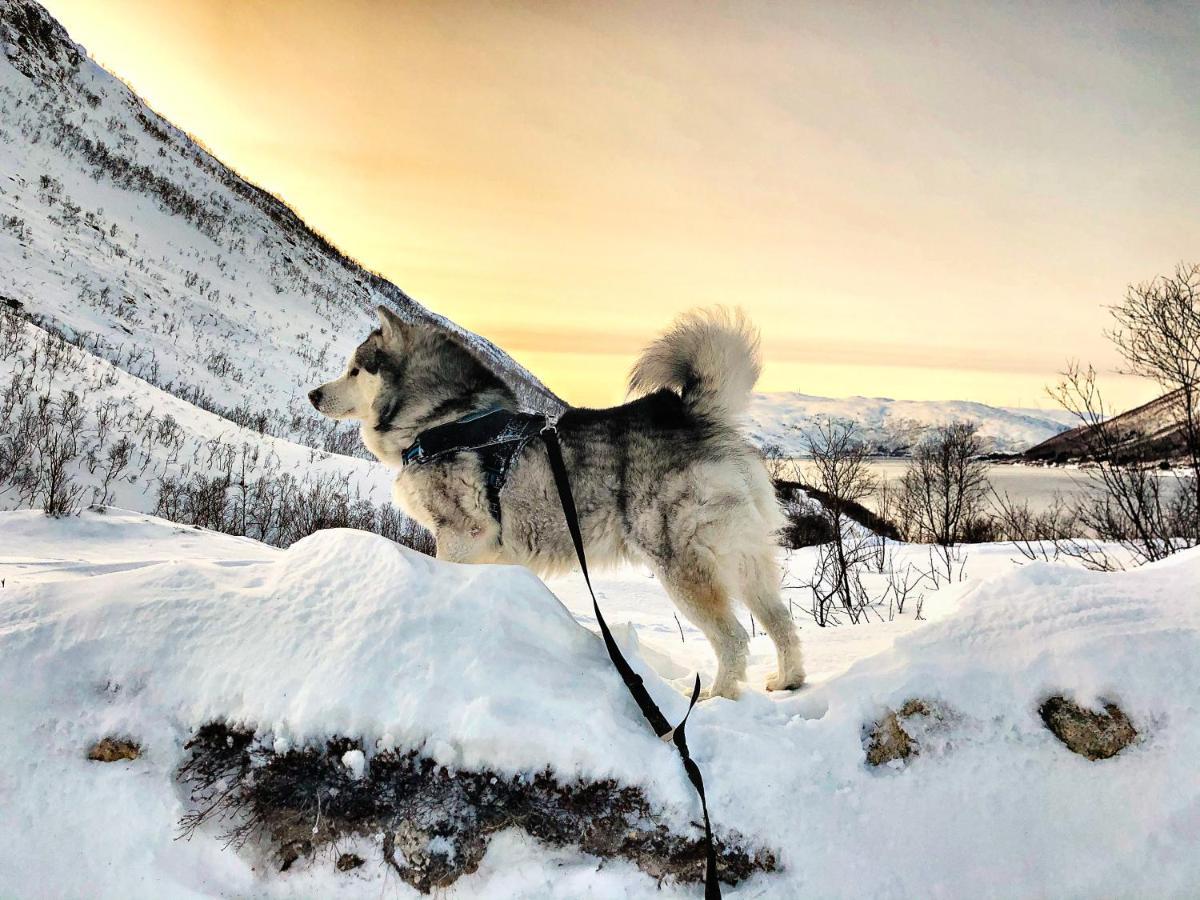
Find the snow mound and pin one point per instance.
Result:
(343, 633)
(1132, 637)
(994, 804)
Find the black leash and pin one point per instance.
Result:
(633, 681)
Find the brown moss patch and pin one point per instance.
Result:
(436, 823)
(888, 741)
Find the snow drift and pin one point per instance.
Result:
(124, 625)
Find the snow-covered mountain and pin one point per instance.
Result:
(892, 427)
(122, 233)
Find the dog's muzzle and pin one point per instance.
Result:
(314, 397)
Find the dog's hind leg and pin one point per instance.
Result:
(703, 600)
(760, 593)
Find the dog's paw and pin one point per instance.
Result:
(728, 691)
(777, 683)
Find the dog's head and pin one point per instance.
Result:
(376, 365)
(407, 375)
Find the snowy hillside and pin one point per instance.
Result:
(120, 231)
(75, 430)
(892, 427)
(128, 627)
(1153, 431)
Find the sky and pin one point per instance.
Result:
(911, 200)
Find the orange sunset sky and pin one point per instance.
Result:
(925, 200)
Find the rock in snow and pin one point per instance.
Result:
(113, 749)
(482, 667)
(1090, 734)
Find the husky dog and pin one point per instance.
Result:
(665, 480)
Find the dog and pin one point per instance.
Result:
(666, 479)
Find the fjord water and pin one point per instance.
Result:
(1037, 485)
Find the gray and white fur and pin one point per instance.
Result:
(665, 479)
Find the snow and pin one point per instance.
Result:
(344, 632)
(119, 623)
(354, 760)
(114, 622)
(893, 426)
(197, 442)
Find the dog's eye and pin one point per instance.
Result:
(353, 372)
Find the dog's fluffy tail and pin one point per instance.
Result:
(710, 356)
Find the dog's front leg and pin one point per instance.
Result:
(455, 546)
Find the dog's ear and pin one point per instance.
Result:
(394, 328)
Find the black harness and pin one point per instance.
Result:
(498, 436)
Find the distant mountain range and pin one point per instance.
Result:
(894, 427)
(1152, 431)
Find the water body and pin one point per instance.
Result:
(1037, 485)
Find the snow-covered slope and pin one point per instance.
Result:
(113, 624)
(75, 430)
(121, 231)
(892, 427)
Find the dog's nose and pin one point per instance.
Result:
(314, 397)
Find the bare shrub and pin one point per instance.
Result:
(1158, 333)
(940, 498)
(780, 467)
(116, 459)
(841, 470)
(1134, 505)
(1035, 535)
(395, 526)
(55, 440)
(278, 508)
(806, 523)
(1151, 513)
(904, 587)
(944, 484)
